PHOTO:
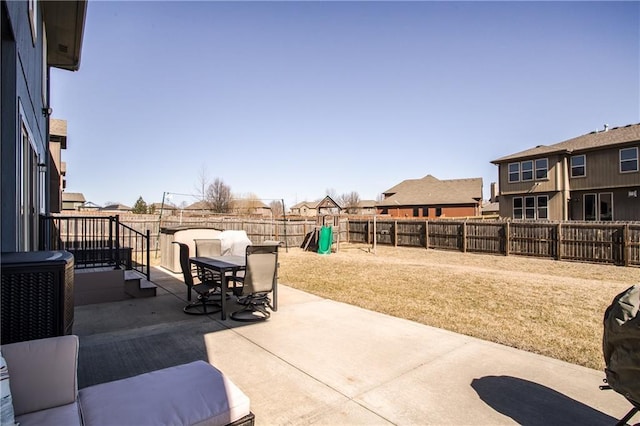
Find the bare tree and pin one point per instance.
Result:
(350, 202)
(218, 196)
(252, 203)
(277, 208)
(331, 192)
(202, 183)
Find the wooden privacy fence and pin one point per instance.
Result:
(291, 232)
(616, 243)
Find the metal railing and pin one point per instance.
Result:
(97, 241)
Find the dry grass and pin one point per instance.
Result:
(543, 306)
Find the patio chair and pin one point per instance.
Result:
(205, 303)
(208, 247)
(258, 283)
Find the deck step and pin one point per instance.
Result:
(137, 285)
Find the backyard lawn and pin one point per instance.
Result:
(544, 306)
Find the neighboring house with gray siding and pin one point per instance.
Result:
(594, 177)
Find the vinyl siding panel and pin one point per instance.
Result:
(603, 171)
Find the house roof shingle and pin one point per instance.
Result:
(596, 139)
(307, 204)
(430, 191)
(75, 197)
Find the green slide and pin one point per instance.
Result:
(325, 240)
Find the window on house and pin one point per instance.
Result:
(629, 160)
(532, 207)
(542, 168)
(416, 212)
(527, 170)
(578, 166)
(529, 207)
(425, 211)
(33, 17)
(514, 172)
(438, 211)
(29, 183)
(517, 208)
(543, 210)
(384, 211)
(598, 206)
(590, 206)
(606, 206)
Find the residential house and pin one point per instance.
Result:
(237, 206)
(72, 200)
(166, 208)
(58, 168)
(305, 208)
(89, 206)
(117, 208)
(249, 206)
(199, 207)
(595, 176)
(432, 198)
(366, 207)
(327, 206)
(36, 35)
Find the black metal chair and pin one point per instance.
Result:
(205, 288)
(258, 283)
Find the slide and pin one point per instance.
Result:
(325, 240)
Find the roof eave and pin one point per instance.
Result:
(64, 21)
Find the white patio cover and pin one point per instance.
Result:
(234, 242)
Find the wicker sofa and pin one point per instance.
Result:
(44, 389)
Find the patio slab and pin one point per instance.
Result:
(322, 362)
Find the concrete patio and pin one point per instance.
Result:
(318, 361)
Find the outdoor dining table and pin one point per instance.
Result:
(222, 265)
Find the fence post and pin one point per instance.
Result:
(559, 241)
(464, 237)
(395, 233)
(626, 245)
(507, 243)
(426, 234)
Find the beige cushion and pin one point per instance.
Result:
(67, 415)
(43, 373)
(188, 394)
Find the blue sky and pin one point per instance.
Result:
(291, 99)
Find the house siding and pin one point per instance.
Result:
(22, 99)
(603, 170)
(624, 206)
